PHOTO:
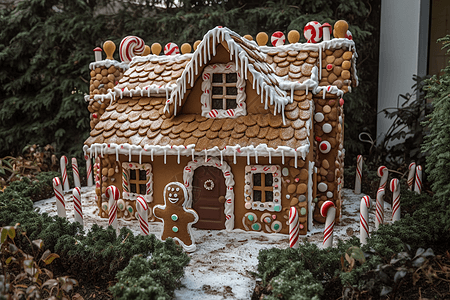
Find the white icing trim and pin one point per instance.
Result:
(206, 97)
(188, 175)
(311, 204)
(126, 194)
(187, 248)
(248, 188)
(149, 150)
(108, 63)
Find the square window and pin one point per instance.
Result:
(268, 179)
(231, 104)
(231, 78)
(132, 174)
(269, 196)
(217, 104)
(257, 196)
(257, 179)
(142, 175)
(133, 188)
(231, 91)
(142, 189)
(217, 90)
(217, 78)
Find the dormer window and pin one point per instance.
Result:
(223, 92)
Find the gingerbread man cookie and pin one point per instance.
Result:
(176, 217)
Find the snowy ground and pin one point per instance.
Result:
(219, 268)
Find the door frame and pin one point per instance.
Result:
(188, 175)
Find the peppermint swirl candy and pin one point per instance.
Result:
(130, 47)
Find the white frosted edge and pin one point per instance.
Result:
(150, 90)
(96, 150)
(334, 43)
(161, 58)
(108, 63)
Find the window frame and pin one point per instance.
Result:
(207, 85)
(127, 181)
(250, 203)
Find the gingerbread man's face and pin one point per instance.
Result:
(175, 194)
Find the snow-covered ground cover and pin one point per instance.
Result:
(222, 264)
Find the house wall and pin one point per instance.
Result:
(403, 35)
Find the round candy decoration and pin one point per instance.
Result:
(171, 49)
(130, 47)
(325, 147)
(277, 39)
(209, 185)
(312, 32)
(319, 117)
(327, 128)
(323, 187)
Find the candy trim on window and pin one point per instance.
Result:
(126, 194)
(276, 184)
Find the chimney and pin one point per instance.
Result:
(98, 54)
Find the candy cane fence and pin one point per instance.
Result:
(359, 165)
(76, 193)
(328, 210)
(379, 214)
(364, 220)
(294, 229)
(60, 202)
(418, 183)
(63, 165)
(383, 173)
(412, 170)
(89, 170)
(76, 173)
(112, 192)
(142, 210)
(395, 189)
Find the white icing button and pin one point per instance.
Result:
(323, 187)
(325, 147)
(340, 119)
(285, 171)
(319, 117)
(288, 196)
(329, 195)
(327, 128)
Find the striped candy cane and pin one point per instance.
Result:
(364, 220)
(379, 215)
(418, 183)
(142, 212)
(328, 210)
(294, 229)
(63, 165)
(112, 193)
(395, 189)
(412, 170)
(97, 175)
(60, 202)
(88, 170)
(359, 165)
(76, 173)
(383, 173)
(77, 205)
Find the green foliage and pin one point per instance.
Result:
(153, 277)
(46, 46)
(437, 143)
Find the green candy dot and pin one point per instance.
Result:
(130, 209)
(276, 226)
(256, 226)
(175, 229)
(250, 218)
(303, 211)
(277, 208)
(174, 217)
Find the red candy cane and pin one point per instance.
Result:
(395, 189)
(112, 192)
(88, 170)
(142, 209)
(129, 47)
(76, 173)
(364, 219)
(63, 165)
(379, 215)
(294, 230)
(383, 173)
(60, 202)
(77, 205)
(359, 165)
(418, 183)
(328, 210)
(412, 170)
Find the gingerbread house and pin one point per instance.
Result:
(250, 130)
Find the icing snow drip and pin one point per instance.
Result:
(108, 63)
(188, 175)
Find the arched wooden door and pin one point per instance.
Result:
(208, 195)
